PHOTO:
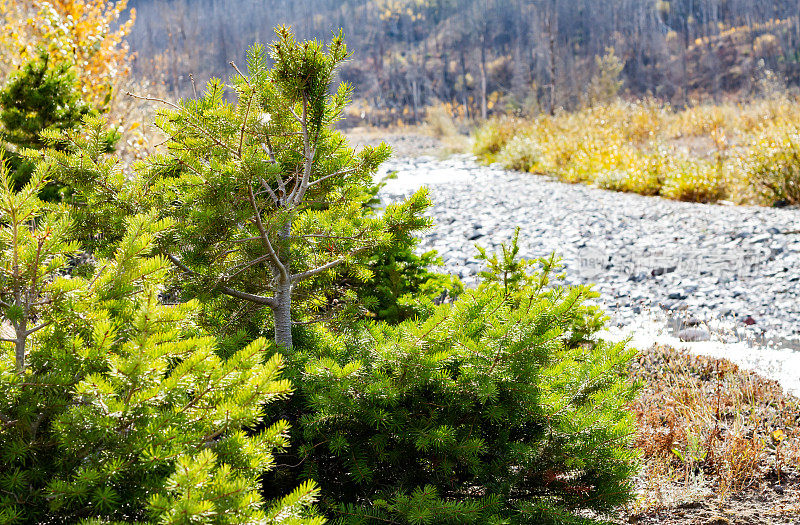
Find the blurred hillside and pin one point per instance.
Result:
(485, 56)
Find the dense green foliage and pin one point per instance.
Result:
(269, 199)
(114, 406)
(402, 282)
(502, 407)
(40, 96)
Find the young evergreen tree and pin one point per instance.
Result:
(267, 197)
(607, 82)
(114, 407)
(402, 281)
(38, 97)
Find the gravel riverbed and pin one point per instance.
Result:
(722, 279)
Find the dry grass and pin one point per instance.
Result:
(711, 431)
(705, 153)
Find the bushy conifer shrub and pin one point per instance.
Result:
(500, 408)
(402, 282)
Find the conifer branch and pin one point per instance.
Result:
(244, 121)
(198, 127)
(37, 328)
(305, 275)
(334, 174)
(244, 77)
(309, 153)
(253, 298)
(7, 421)
(265, 237)
(269, 191)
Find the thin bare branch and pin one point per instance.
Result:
(265, 237)
(244, 122)
(258, 299)
(309, 153)
(194, 86)
(154, 99)
(335, 174)
(234, 66)
(305, 275)
(37, 328)
(269, 191)
(253, 298)
(193, 124)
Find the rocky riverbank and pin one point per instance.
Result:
(704, 274)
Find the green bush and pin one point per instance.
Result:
(500, 408)
(114, 407)
(400, 280)
(773, 167)
(401, 283)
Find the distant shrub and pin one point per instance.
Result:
(642, 181)
(494, 135)
(522, 153)
(500, 408)
(649, 148)
(440, 122)
(695, 182)
(773, 166)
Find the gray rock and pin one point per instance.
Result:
(693, 335)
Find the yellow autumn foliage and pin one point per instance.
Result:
(747, 153)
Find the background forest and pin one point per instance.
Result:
(483, 56)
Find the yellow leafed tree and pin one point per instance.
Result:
(87, 33)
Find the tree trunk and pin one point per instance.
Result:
(484, 112)
(464, 97)
(19, 347)
(282, 312)
(551, 33)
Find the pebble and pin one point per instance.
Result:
(703, 261)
